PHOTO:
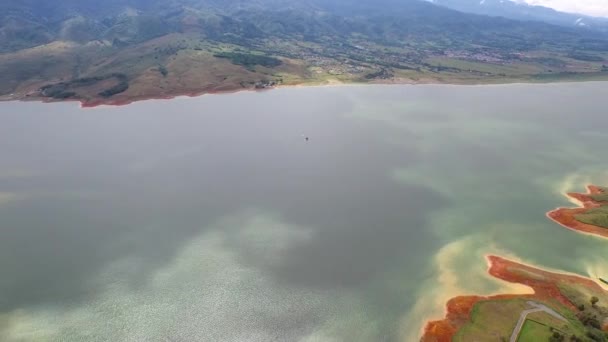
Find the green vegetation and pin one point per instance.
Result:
(66, 90)
(495, 320)
(533, 331)
(603, 196)
(585, 57)
(590, 316)
(309, 41)
(249, 60)
(492, 318)
(122, 86)
(381, 74)
(596, 216)
(579, 304)
(163, 70)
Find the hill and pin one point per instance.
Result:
(523, 11)
(124, 50)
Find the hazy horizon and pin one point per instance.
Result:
(594, 8)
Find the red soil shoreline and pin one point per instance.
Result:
(127, 101)
(565, 217)
(544, 283)
(123, 101)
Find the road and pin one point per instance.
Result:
(536, 307)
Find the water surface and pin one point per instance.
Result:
(213, 219)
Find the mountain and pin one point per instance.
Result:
(124, 50)
(521, 11)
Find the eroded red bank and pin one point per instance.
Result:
(544, 283)
(127, 100)
(130, 100)
(566, 216)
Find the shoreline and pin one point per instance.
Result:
(118, 102)
(123, 101)
(459, 306)
(543, 282)
(565, 217)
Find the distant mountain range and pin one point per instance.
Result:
(121, 50)
(521, 11)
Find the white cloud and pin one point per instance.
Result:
(598, 8)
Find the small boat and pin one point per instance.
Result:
(604, 280)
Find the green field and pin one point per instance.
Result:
(596, 216)
(603, 197)
(533, 331)
(492, 320)
(495, 320)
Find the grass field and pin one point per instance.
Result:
(596, 217)
(603, 197)
(533, 331)
(495, 320)
(492, 320)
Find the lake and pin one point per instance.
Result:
(214, 219)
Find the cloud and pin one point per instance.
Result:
(598, 8)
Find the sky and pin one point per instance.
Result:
(598, 8)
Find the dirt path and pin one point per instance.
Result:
(524, 315)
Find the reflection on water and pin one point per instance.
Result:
(213, 218)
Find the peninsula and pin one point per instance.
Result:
(590, 217)
(562, 307)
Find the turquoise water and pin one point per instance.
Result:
(213, 219)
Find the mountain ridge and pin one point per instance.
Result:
(87, 51)
(523, 11)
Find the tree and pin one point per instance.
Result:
(556, 337)
(589, 319)
(594, 300)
